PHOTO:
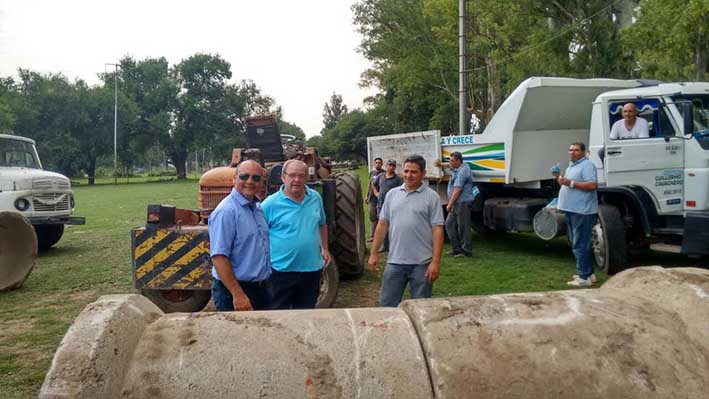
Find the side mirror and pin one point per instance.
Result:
(686, 108)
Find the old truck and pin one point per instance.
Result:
(653, 192)
(45, 198)
(170, 254)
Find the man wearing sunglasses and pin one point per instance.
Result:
(298, 236)
(239, 245)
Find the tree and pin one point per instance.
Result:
(205, 107)
(348, 139)
(670, 39)
(333, 111)
(153, 89)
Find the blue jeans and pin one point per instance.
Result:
(394, 283)
(259, 294)
(579, 232)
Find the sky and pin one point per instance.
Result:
(298, 52)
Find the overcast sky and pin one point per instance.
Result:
(299, 52)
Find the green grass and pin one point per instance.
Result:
(94, 260)
(90, 261)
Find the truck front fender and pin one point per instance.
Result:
(638, 202)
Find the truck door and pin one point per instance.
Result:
(655, 163)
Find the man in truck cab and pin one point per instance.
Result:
(577, 198)
(630, 127)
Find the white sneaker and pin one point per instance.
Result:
(592, 278)
(580, 283)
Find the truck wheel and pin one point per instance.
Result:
(329, 282)
(48, 235)
(608, 240)
(18, 250)
(171, 301)
(349, 244)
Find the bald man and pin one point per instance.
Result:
(630, 127)
(239, 245)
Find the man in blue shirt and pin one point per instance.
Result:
(238, 239)
(577, 198)
(298, 236)
(460, 200)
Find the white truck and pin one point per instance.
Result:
(653, 192)
(44, 198)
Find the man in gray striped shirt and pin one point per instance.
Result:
(413, 216)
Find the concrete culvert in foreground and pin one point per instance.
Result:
(645, 334)
(18, 250)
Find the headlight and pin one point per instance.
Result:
(22, 204)
(71, 202)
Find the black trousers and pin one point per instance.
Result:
(295, 290)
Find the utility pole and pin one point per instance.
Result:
(115, 124)
(461, 68)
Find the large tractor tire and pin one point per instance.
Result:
(172, 301)
(48, 235)
(608, 240)
(18, 250)
(348, 247)
(329, 282)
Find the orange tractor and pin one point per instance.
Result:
(170, 255)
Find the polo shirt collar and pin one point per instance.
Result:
(282, 192)
(240, 199)
(419, 189)
(574, 163)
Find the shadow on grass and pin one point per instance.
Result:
(62, 251)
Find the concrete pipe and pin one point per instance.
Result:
(623, 340)
(18, 250)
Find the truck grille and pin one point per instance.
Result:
(51, 202)
(50, 184)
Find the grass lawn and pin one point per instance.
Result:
(94, 260)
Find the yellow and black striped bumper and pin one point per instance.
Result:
(173, 258)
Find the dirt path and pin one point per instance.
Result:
(359, 293)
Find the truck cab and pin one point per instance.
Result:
(658, 185)
(44, 198)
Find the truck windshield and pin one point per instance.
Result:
(701, 117)
(18, 153)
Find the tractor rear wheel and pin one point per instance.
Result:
(349, 244)
(171, 301)
(329, 282)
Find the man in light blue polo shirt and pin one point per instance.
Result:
(238, 240)
(413, 216)
(577, 198)
(460, 200)
(298, 235)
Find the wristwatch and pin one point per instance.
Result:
(571, 184)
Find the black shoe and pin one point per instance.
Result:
(453, 253)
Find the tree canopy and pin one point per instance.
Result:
(162, 109)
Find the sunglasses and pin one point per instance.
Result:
(245, 177)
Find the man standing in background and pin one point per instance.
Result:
(373, 193)
(386, 182)
(577, 198)
(460, 200)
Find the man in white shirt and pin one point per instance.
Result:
(630, 127)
